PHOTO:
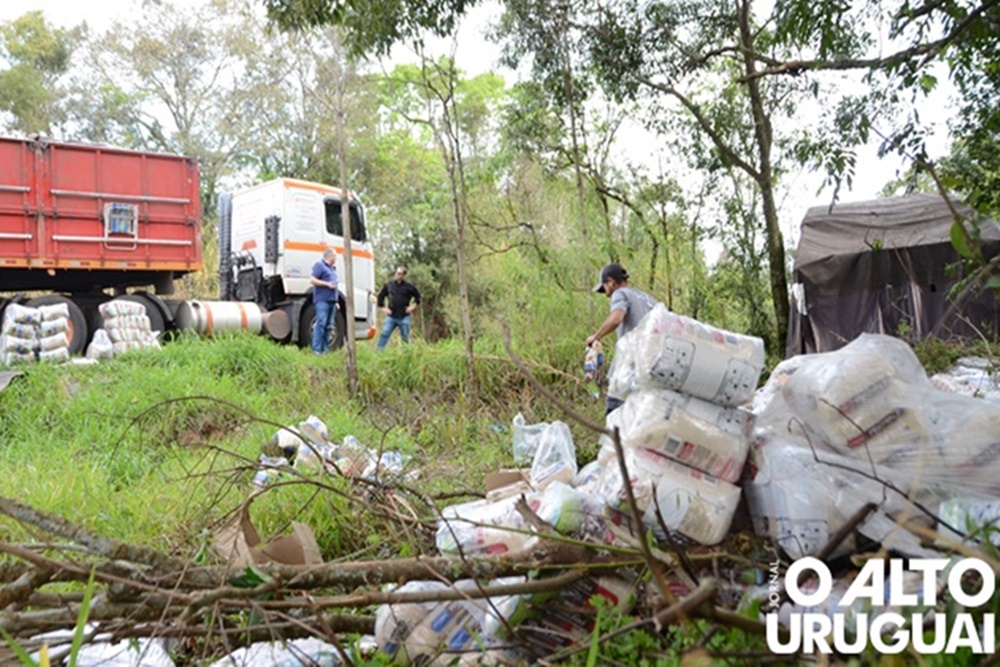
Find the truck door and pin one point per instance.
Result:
(304, 237)
(360, 247)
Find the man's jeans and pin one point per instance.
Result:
(390, 324)
(324, 325)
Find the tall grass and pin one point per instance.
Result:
(155, 446)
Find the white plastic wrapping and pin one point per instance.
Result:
(425, 633)
(801, 502)
(568, 510)
(120, 307)
(526, 438)
(128, 326)
(19, 337)
(670, 351)
(555, 457)
(100, 346)
(481, 527)
(871, 401)
(972, 376)
(709, 437)
(692, 503)
(142, 652)
(303, 652)
(15, 313)
(974, 518)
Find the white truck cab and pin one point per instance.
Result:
(277, 231)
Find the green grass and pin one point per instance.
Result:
(155, 446)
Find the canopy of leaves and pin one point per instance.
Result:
(371, 27)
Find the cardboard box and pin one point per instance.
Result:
(238, 544)
(506, 477)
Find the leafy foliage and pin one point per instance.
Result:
(37, 56)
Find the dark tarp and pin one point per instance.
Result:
(885, 266)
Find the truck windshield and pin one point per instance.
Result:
(335, 221)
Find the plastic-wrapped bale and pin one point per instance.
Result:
(872, 402)
(694, 504)
(709, 437)
(961, 453)
(773, 417)
(971, 376)
(53, 333)
(801, 498)
(481, 527)
(127, 325)
(854, 396)
(671, 351)
(439, 633)
(19, 334)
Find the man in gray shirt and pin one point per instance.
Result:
(628, 306)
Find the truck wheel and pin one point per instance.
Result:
(308, 322)
(78, 333)
(339, 329)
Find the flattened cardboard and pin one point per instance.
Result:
(238, 544)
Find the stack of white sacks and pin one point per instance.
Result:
(35, 333)
(683, 428)
(126, 326)
(864, 424)
(685, 438)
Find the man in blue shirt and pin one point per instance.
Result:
(324, 282)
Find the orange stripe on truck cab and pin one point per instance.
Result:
(320, 247)
(315, 187)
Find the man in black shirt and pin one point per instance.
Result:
(403, 300)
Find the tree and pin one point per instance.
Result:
(960, 35)
(691, 56)
(34, 57)
(174, 82)
(436, 87)
(371, 28)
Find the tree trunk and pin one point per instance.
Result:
(345, 212)
(765, 180)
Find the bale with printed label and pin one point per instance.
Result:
(705, 436)
(675, 352)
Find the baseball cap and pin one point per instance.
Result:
(613, 270)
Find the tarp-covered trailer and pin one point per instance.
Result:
(886, 266)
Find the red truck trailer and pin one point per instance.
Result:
(85, 223)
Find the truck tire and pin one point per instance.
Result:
(308, 322)
(339, 328)
(79, 332)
